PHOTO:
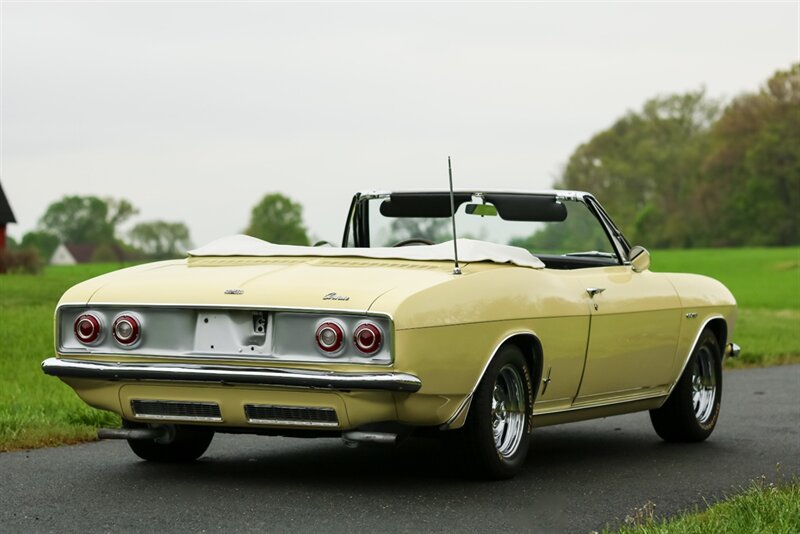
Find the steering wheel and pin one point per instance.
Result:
(413, 241)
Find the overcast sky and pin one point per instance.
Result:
(193, 111)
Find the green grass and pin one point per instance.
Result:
(35, 409)
(763, 508)
(766, 284)
(759, 278)
(39, 410)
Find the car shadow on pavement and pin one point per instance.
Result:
(580, 450)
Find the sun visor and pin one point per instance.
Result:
(511, 207)
(421, 204)
(538, 208)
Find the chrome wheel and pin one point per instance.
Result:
(704, 385)
(508, 411)
(692, 409)
(497, 430)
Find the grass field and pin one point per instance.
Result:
(766, 284)
(763, 508)
(36, 410)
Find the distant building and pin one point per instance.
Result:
(62, 256)
(6, 217)
(73, 253)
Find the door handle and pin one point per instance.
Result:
(594, 291)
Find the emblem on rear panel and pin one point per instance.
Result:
(234, 291)
(334, 296)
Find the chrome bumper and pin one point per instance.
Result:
(732, 350)
(231, 374)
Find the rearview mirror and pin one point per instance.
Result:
(639, 258)
(481, 209)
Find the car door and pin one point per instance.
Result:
(634, 327)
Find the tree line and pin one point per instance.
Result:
(96, 221)
(686, 171)
(90, 220)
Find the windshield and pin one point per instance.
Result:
(579, 233)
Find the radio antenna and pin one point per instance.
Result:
(456, 268)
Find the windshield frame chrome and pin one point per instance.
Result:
(360, 227)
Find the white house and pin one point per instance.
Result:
(62, 256)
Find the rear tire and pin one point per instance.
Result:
(497, 431)
(188, 444)
(691, 412)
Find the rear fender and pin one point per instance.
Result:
(528, 342)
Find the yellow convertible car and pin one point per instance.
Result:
(541, 314)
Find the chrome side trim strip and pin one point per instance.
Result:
(603, 403)
(231, 374)
(594, 412)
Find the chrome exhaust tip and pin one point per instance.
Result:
(160, 433)
(356, 437)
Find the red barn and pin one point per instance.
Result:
(6, 216)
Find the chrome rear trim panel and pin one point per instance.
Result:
(176, 410)
(231, 374)
(263, 414)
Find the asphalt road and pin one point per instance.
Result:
(578, 478)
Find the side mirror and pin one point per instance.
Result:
(639, 258)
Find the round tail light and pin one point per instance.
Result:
(126, 330)
(368, 338)
(330, 337)
(87, 328)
